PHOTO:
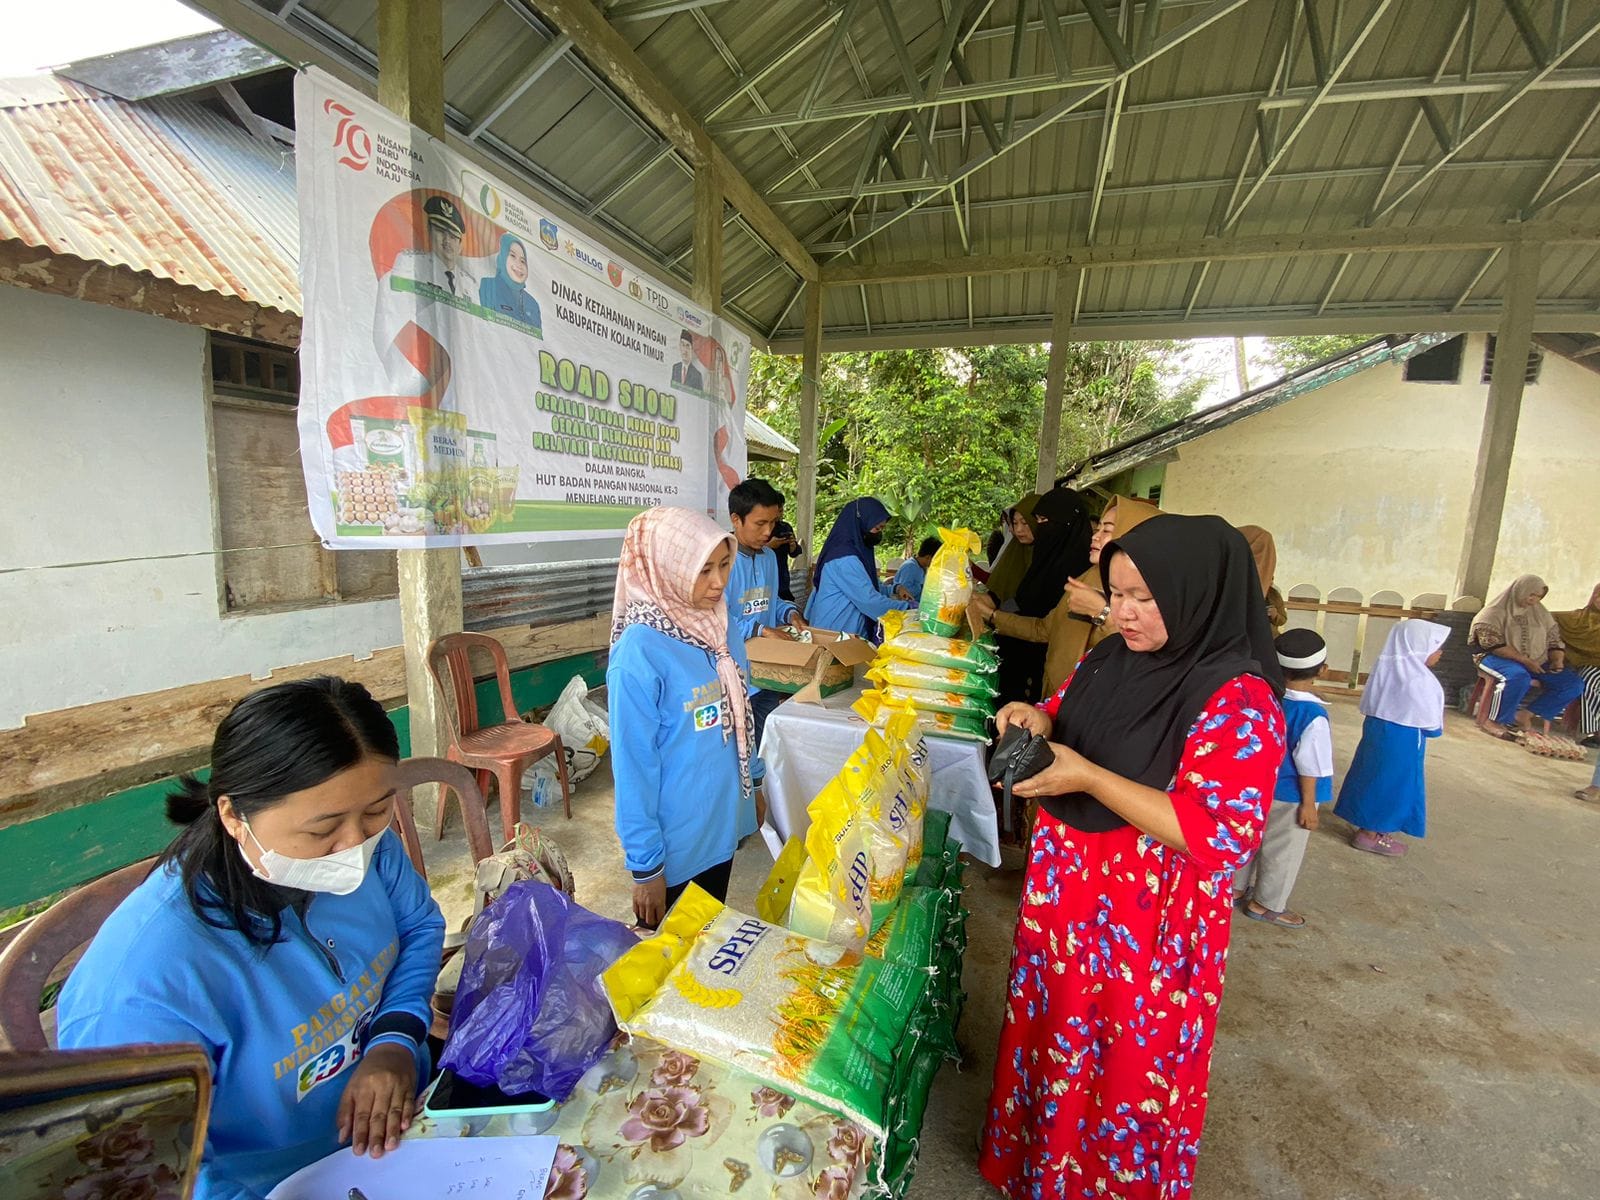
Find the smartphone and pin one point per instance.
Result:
(453, 1096)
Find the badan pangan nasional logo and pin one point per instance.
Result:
(349, 137)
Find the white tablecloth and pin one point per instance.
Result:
(805, 745)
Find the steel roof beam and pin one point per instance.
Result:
(1196, 24)
(829, 56)
(1477, 278)
(1560, 161)
(1319, 51)
(1355, 241)
(1527, 31)
(783, 55)
(1333, 284)
(598, 41)
(1503, 103)
(908, 72)
(1295, 130)
(1109, 33)
(646, 10)
(509, 95)
(1053, 35)
(1018, 30)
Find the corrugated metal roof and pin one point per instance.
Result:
(165, 186)
(766, 442)
(1195, 129)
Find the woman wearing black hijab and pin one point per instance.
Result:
(1167, 742)
(1061, 533)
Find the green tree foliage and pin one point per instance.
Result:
(951, 437)
(1289, 354)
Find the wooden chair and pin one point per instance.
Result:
(451, 777)
(52, 940)
(503, 751)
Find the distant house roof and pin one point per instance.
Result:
(764, 442)
(1135, 451)
(167, 68)
(166, 186)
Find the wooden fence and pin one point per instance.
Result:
(1356, 626)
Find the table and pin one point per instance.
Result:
(805, 745)
(648, 1121)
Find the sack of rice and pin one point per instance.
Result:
(903, 672)
(937, 651)
(949, 584)
(811, 1018)
(914, 933)
(968, 727)
(897, 621)
(928, 700)
(831, 894)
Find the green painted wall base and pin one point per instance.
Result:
(61, 851)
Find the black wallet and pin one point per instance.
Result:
(1019, 755)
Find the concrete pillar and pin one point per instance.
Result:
(1060, 337)
(707, 239)
(1499, 437)
(411, 84)
(810, 382)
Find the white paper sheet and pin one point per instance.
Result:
(477, 1168)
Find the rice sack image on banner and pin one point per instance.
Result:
(473, 369)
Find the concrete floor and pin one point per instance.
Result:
(1433, 1034)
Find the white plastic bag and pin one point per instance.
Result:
(584, 729)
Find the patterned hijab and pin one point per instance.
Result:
(1529, 629)
(662, 554)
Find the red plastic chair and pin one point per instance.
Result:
(54, 939)
(503, 751)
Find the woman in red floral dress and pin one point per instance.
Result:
(1166, 740)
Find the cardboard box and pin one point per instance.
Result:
(826, 661)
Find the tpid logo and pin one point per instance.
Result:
(349, 137)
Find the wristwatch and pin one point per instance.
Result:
(1099, 618)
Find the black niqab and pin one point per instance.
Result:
(1129, 711)
(1061, 533)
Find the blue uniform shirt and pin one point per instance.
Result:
(752, 592)
(678, 807)
(910, 576)
(848, 601)
(1310, 749)
(282, 1025)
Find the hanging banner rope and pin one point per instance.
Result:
(473, 371)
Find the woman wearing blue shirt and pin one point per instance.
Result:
(681, 731)
(286, 933)
(846, 595)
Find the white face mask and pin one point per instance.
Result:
(338, 874)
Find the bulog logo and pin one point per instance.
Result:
(349, 137)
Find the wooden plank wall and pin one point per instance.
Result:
(64, 758)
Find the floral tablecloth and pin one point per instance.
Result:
(651, 1123)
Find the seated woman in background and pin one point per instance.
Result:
(1580, 631)
(1083, 617)
(1516, 640)
(846, 594)
(286, 898)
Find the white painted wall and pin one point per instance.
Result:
(104, 420)
(1365, 483)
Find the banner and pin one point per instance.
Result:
(473, 371)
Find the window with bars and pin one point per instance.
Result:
(1530, 375)
(271, 558)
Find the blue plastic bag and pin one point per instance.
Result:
(530, 1014)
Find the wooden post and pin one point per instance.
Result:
(1499, 437)
(708, 239)
(411, 85)
(810, 382)
(1055, 378)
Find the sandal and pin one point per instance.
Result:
(1377, 843)
(1503, 735)
(1275, 918)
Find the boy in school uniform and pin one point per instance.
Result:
(1304, 781)
(755, 609)
(913, 573)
